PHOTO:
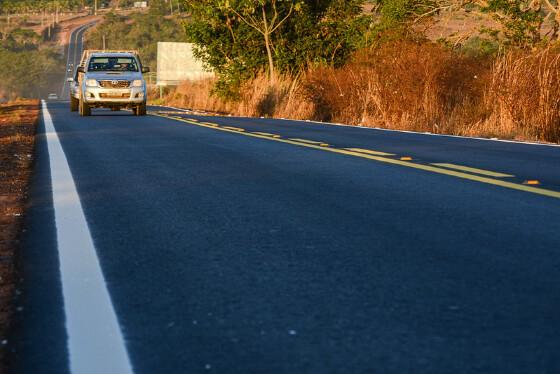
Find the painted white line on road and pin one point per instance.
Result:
(95, 341)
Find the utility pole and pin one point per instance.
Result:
(104, 42)
(95, 7)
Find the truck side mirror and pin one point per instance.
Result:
(145, 69)
(81, 69)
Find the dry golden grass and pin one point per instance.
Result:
(402, 85)
(524, 96)
(409, 85)
(258, 98)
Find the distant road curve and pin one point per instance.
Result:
(73, 54)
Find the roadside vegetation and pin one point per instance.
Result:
(139, 31)
(27, 66)
(482, 68)
(18, 122)
(29, 63)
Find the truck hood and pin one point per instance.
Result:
(114, 75)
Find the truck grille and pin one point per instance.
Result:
(114, 96)
(114, 84)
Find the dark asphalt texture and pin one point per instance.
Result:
(73, 56)
(230, 254)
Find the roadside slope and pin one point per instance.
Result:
(17, 139)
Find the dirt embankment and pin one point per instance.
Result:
(18, 121)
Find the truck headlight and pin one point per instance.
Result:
(137, 83)
(91, 83)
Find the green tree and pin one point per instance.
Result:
(521, 20)
(239, 38)
(138, 31)
(265, 17)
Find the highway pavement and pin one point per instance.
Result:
(73, 55)
(183, 243)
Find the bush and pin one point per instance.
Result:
(410, 85)
(27, 69)
(139, 31)
(524, 95)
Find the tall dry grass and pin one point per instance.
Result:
(258, 98)
(411, 86)
(402, 85)
(523, 96)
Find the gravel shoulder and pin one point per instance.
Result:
(18, 121)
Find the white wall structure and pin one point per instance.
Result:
(176, 63)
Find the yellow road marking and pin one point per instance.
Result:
(210, 124)
(267, 134)
(309, 142)
(473, 170)
(532, 182)
(234, 128)
(370, 152)
(406, 158)
(392, 161)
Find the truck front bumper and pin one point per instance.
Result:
(97, 96)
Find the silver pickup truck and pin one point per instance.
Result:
(109, 79)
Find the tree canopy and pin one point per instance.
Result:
(238, 38)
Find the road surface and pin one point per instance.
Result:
(73, 56)
(182, 243)
(229, 252)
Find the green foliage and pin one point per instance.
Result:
(139, 31)
(229, 35)
(23, 6)
(25, 68)
(521, 22)
(21, 40)
(398, 12)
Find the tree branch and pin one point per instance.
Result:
(284, 19)
(251, 24)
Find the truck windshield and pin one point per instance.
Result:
(112, 64)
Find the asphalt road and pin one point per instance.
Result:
(73, 56)
(233, 252)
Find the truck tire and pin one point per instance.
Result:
(85, 109)
(74, 104)
(140, 110)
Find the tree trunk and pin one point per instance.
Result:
(270, 59)
(267, 42)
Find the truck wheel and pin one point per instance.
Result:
(74, 103)
(140, 110)
(85, 109)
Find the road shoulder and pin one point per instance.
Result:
(18, 123)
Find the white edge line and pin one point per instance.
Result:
(390, 130)
(95, 341)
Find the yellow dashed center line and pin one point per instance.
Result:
(234, 128)
(321, 144)
(370, 152)
(392, 161)
(267, 134)
(473, 170)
